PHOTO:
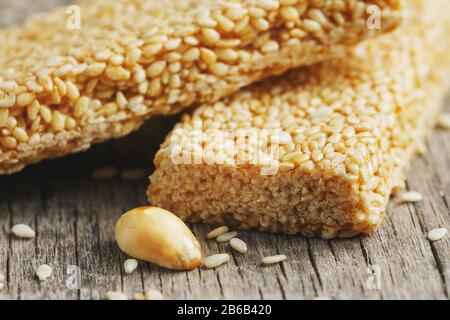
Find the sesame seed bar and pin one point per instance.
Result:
(319, 150)
(65, 85)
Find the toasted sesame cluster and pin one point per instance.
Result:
(351, 128)
(133, 59)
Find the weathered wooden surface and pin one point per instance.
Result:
(74, 215)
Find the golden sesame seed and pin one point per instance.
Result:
(7, 102)
(225, 24)
(172, 57)
(35, 139)
(172, 44)
(261, 24)
(79, 69)
(117, 60)
(241, 26)
(35, 87)
(317, 16)
(156, 69)
(205, 21)
(236, 13)
(96, 69)
(219, 69)
(4, 114)
(192, 41)
(133, 56)
(70, 123)
(20, 134)
(58, 121)
(208, 56)
(117, 73)
(152, 49)
(103, 55)
(311, 25)
(121, 100)
(139, 76)
(46, 114)
(211, 36)
(270, 46)
(227, 54)
(290, 14)
(25, 99)
(191, 55)
(81, 106)
(8, 142)
(61, 85)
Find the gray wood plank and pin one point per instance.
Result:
(74, 216)
(5, 242)
(431, 176)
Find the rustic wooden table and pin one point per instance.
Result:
(74, 216)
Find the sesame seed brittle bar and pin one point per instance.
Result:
(64, 86)
(348, 131)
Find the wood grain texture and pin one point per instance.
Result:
(74, 216)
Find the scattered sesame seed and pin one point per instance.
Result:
(216, 260)
(409, 196)
(225, 237)
(274, 259)
(44, 272)
(437, 234)
(130, 265)
(238, 245)
(23, 231)
(217, 232)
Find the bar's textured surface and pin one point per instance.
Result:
(63, 88)
(351, 128)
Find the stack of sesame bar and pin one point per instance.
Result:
(65, 85)
(319, 150)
